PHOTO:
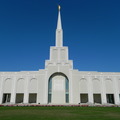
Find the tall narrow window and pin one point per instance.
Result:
(67, 90)
(49, 90)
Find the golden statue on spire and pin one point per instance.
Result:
(59, 7)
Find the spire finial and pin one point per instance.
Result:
(59, 7)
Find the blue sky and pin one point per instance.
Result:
(91, 31)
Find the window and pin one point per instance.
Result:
(110, 98)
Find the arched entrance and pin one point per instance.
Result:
(58, 89)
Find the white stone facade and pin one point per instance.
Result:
(59, 83)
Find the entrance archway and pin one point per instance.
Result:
(58, 89)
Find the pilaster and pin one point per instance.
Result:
(1, 89)
(90, 91)
(103, 91)
(70, 87)
(46, 88)
(26, 93)
(13, 92)
(116, 91)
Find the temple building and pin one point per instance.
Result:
(59, 83)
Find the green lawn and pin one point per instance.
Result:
(59, 113)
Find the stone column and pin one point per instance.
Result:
(90, 91)
(103, 91)
(116, 91)
(13, 92)
(26, 93)
(1, 89)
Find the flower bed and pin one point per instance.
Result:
(39, 105)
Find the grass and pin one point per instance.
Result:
(59, 113)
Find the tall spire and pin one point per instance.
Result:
(59, 32)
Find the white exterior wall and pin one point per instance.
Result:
(79, 83)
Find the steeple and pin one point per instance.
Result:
(59, 56)
(59, 32)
